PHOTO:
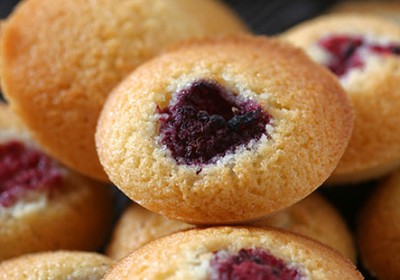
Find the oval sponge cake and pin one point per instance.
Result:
(71, 265)
(379, 229)
(313, 217)
(60, 60)
(234, 253)
(44, 206)
(224, 130)
(372, 82)
(388, 9)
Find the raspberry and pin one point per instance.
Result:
(206, 121)
(24, 169)
(250, 264)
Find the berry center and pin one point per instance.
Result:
(24, 169)
(206, 121)
(348, 52)
(250, 264)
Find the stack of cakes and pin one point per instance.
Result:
(220, 138)
(225, 131)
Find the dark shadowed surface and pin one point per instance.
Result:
(6, 7)
(271, 17)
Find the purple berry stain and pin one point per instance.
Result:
(345, 51)
(206, 121)
(24, 169)
(251, 264)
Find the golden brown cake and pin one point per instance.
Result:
(313, 217)
(44, 206)
(234, 253)
(386, 8)
(60, 265)
(224, 130)
(60, 60)
(316, 218)
(364, 52)
(379, 230)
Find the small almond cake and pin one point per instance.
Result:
(228, 253)
(60, 60)
(44, 206)
(57, 265)
(379, 230)
(224, 130)
(389, 9)
(313, 217)
(364, 53)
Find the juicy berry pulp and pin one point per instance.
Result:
(250, 264)
(345, 51)
(24, 169)
(206, 121)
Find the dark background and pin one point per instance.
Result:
(269, 17)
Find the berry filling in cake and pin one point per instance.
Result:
(347, 52)
(250, 264)
(24, 169)
(206, 121)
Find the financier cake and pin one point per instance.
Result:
(71, 265)
(379, 230)
(224, 130)
(313, 217)
(60, 59)
(364, 53)
(44, 206)
(234, 253)
(389, 9)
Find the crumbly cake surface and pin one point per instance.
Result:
(374, 91)
(310, 127)
(59, 61)
(71, 265)
(187, 254)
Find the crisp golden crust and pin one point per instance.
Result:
(379, 230)
(71, 265)
(313, 217)
(374, 149)
(186, 255)
(76, 217)
(60, 61)
(388, 9)
(312, 121)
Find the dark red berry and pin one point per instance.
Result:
(240, 122)
(24, 169)
(250, 264)
(206, 121)
(345, 51)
